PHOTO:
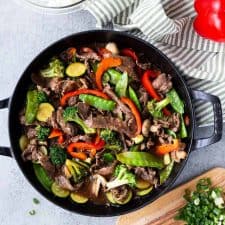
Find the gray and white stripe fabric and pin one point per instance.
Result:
(168, 24)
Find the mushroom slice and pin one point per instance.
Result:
(97, 182)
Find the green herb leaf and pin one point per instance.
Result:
(32, 212)
(36, 201)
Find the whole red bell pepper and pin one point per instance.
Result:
(210, 21)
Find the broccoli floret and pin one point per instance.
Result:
(78, 170)
(108, 157)
(55, 68)
(42, 133)
(155, 108)
(70, 114)
(109, 136)
(122, 176)
(111, 140)
(57, 155)
(42, 97)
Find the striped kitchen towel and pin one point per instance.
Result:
(167, 24)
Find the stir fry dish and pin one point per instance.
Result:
(102, 124)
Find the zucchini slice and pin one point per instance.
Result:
(76, 69)
(78, 198)
(58, 191)
(125, 201)
(23, 142)
(142, 184)
(45, 110)
(145, 191)
(110, 197)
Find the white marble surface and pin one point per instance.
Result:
(23, 33)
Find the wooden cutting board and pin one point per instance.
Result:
(163, 210)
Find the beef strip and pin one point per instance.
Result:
(150, 143)
(124, 142)
(120, 104)
(174, 122)
(120, 193)
(68, 128)
(39, 80)
(64, 183)
(99, 162)
(33, 153)
(107, 170)
(83, 110)
(162, 83)
(128, 65)
(31, 132)
(52, 122)
(144, 66)
(158, 129)
(30, 152)
(56, 84)
(84, 83)
(147, 174)
(84, 138)
(68, 85)
(143, 96)
(88, 54)
(111, 123)
(72, 101)
(91, 80)
(44, 89)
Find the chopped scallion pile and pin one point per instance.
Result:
(205, 205)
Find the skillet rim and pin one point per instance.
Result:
(184, 87)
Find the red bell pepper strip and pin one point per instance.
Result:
(148, 84)
(104, 65)
(65, 97)
(103, 52)
(81, 146)
(57, 133)
(78, 155)
(135, 112)
(166, 112)
(186, 120)
(129, 52)
(150, 89)
(97, 138)
(167, 148)
(210, 21)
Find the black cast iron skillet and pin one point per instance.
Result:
(15, 103)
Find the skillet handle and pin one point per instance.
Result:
(4, 150)
(218, 119)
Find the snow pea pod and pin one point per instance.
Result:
(175, 101)
(98, 102)
(143, 159)
(121, 85)
(115, 76)
(183, 129)
(165, 173)
(32, 104)
(134, 98)
(43, 177)
(171, 133)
